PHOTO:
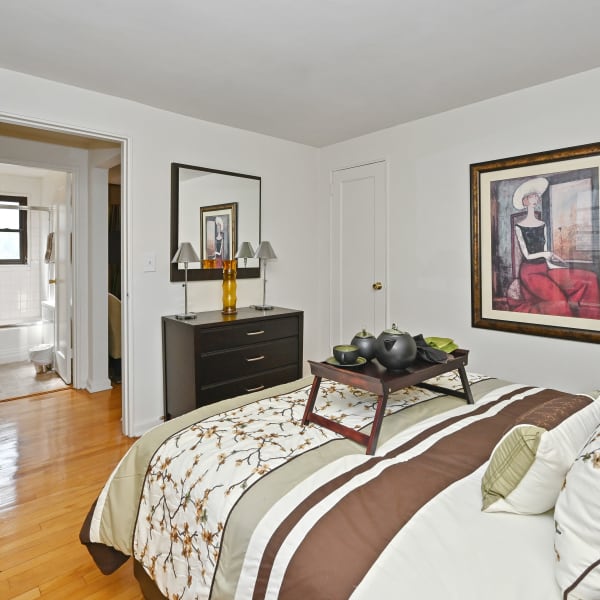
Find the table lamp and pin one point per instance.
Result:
(246, 251)
(264, 253)
(185, 254)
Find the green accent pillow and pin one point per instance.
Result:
(527, 467)
(510, 461)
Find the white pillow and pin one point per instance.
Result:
(528, 466)
(577, 530)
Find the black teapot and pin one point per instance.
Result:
(366, 344)
(395, 349)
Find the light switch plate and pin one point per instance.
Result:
(149, 261)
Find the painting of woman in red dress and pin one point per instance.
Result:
(548, 285)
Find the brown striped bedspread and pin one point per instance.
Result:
(241, 501)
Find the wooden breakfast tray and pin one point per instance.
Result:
(375, 378)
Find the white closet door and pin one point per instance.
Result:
(359, 251)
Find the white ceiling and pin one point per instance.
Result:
(311, 71)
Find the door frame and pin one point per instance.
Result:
(80, 256)
(63, 286)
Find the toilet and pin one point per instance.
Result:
(42, 357)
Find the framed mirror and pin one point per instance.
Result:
(215, 211)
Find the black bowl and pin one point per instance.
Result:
(346, 354)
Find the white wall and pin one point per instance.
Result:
(429, 220)
(98, 281)
(157, 138)
(429, 214)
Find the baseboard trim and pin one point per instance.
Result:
(98, 386)
(141, 428)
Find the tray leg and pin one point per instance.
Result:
(310, 403)
(381, 403)
(465, 383)
(466, 391)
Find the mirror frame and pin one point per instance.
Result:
(205, 274)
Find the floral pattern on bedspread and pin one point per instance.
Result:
(195, 478)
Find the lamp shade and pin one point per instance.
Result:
(185, 254)
(245, 251)
(265, 251)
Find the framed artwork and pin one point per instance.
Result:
(218, 233)
(535, 244)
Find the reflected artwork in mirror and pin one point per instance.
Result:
(215, 211)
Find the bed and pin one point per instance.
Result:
(239, 500)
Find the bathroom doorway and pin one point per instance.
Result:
(36, 280)
(88, 156)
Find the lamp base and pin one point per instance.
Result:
(262, 307)
(186, 316)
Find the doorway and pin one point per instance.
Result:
(359, 251)
(35, 278)
(89, 357)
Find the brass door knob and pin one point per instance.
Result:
(377, 285)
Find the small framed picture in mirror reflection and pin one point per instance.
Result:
(218, 227)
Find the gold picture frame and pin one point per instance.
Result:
(535, 244)
(218, 233)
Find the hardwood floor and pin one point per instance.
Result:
(56, 452)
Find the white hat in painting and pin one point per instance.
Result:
(538, 186)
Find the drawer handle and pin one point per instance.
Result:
(256, 389)
(259, 332)
(255, 358)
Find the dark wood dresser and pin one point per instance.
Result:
(216, 356)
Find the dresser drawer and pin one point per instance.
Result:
(248, 360)
(253, 383)
(256, 332)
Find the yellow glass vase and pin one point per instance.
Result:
(229, 287)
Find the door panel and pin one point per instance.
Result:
(358, 251)
(63, 291)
